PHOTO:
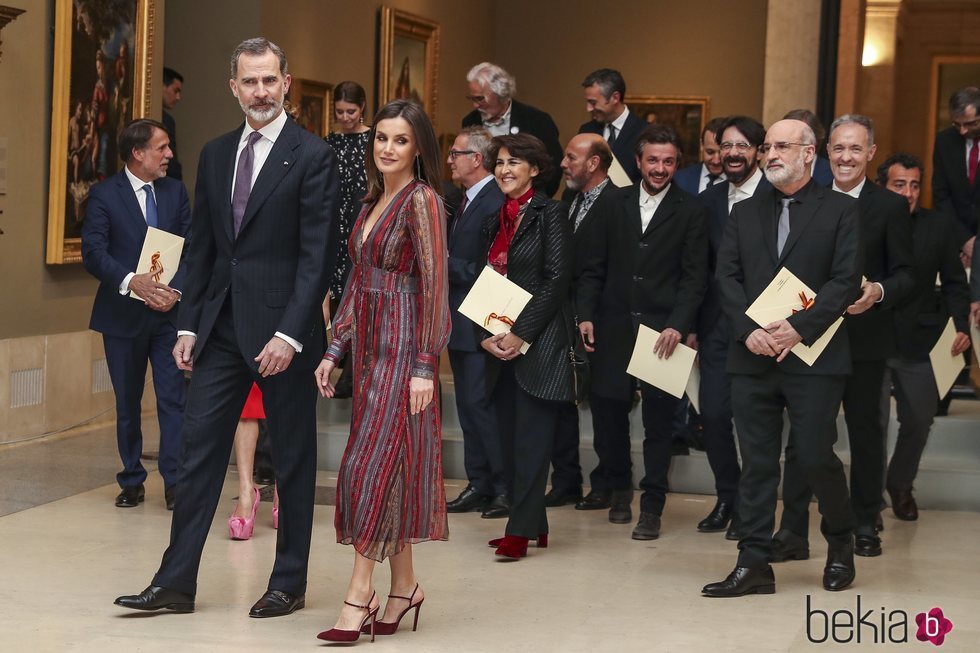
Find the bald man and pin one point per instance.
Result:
(585, 169)
(813, 232)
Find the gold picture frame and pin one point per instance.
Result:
(949, 73)
(409, 50)
(103, 67)
(688, 114)
(311, 103)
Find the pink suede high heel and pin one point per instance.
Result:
(240, 528)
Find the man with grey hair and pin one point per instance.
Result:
(813, 232)
(886, 239)
(491, 90)
(955, 156)
(605, 100)
(482, 447)
(250, 313)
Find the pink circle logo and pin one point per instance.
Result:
(933, 626)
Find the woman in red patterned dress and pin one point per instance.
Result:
(394, 319)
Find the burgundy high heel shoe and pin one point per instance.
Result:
(339, 635)
(541, 541)
(240, 528)
(383, 628)
(512, 546)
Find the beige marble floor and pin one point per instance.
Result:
(594, 589)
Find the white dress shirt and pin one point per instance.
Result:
(260, 152)
(475, 189)
(618, 123)
(137, 185)
(855, 193)
(649, 204)
(738, 193)
(500, 127)
(703, 179)
(969, 146)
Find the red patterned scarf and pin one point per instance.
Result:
(508, 225)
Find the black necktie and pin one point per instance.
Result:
(712, 178)
(459, 212)
(612, 135)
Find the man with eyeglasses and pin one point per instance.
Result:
(491, 91)
(886, 238)
(740, 138)
(482, 453)
(813, 232)
(955, 157)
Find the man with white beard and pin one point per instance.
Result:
(813, 232)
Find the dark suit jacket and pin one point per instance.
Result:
(112, 239)
(539, 260)
(275, 271)
(886, 239)
(822, 173)
(951, 189)
(823, 250)
(656, 278)
(920, 320)
(174, 170)
(536, 122)
(467, 258)
(625, 146)
(689, 178)
(715, 197)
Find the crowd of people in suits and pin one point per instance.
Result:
(683, 251)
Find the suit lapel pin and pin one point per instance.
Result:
(285, 163)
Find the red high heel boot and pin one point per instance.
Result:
(382, 628)
(541, 540)
(512, 546)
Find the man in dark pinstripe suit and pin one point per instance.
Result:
(257, 274)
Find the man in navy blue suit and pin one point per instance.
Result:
(605, 100)
(694, 179)
(120, 210)
(482, 449)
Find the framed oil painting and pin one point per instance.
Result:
(408, 59)
(311, 105)
(685, 113)
(102, 71)
(949, 74)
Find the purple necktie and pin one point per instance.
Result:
(243, 181)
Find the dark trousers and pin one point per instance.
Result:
(916, 399)
(126, 359)
(567, 471)
(866, 436)
(716, 415)
(611, 441)
(812, 402)
(219, 386)
(482, 453)
(528, 425)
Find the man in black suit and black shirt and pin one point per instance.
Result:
(482, 453)
(886, 239)
(739, 138)
(649, 267)
(256, 277)
(491, 90)
(605, 100)
(955, 156)
(813, 232)
(173, 88)
(585, 169)
(918, 322)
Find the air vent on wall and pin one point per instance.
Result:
(26, 388)
(100, 376)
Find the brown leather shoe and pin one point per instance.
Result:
(903, 504)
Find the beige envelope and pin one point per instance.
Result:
(945, 366)
(160, 255)
(617, 174)
(669, 374)
(495, 302)
(784, 295)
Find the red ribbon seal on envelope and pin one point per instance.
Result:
(156, 267)
(804, 302)
(500, 318)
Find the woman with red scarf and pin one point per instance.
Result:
(529, 242)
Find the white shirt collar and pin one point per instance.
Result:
(854, 192)
(136, 182)
(747, 188)
(620, 122)
(475, 189)
(270, 131)
(504, 118)
(646, 198)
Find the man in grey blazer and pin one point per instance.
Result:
(257, 274)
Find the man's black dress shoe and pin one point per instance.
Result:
(468, 500)
(619, 507)
(556, 497)
(169, 494)
(903, 504)
(734, 532)
(720, 515)
(647, 527)
(867, 546)
(742, 581)
(839, 572)
(276, 603)
(158, 598)
(595, 500)
(787, 545)
(131, 496)
(499, 507)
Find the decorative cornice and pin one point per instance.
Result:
(7, 14)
